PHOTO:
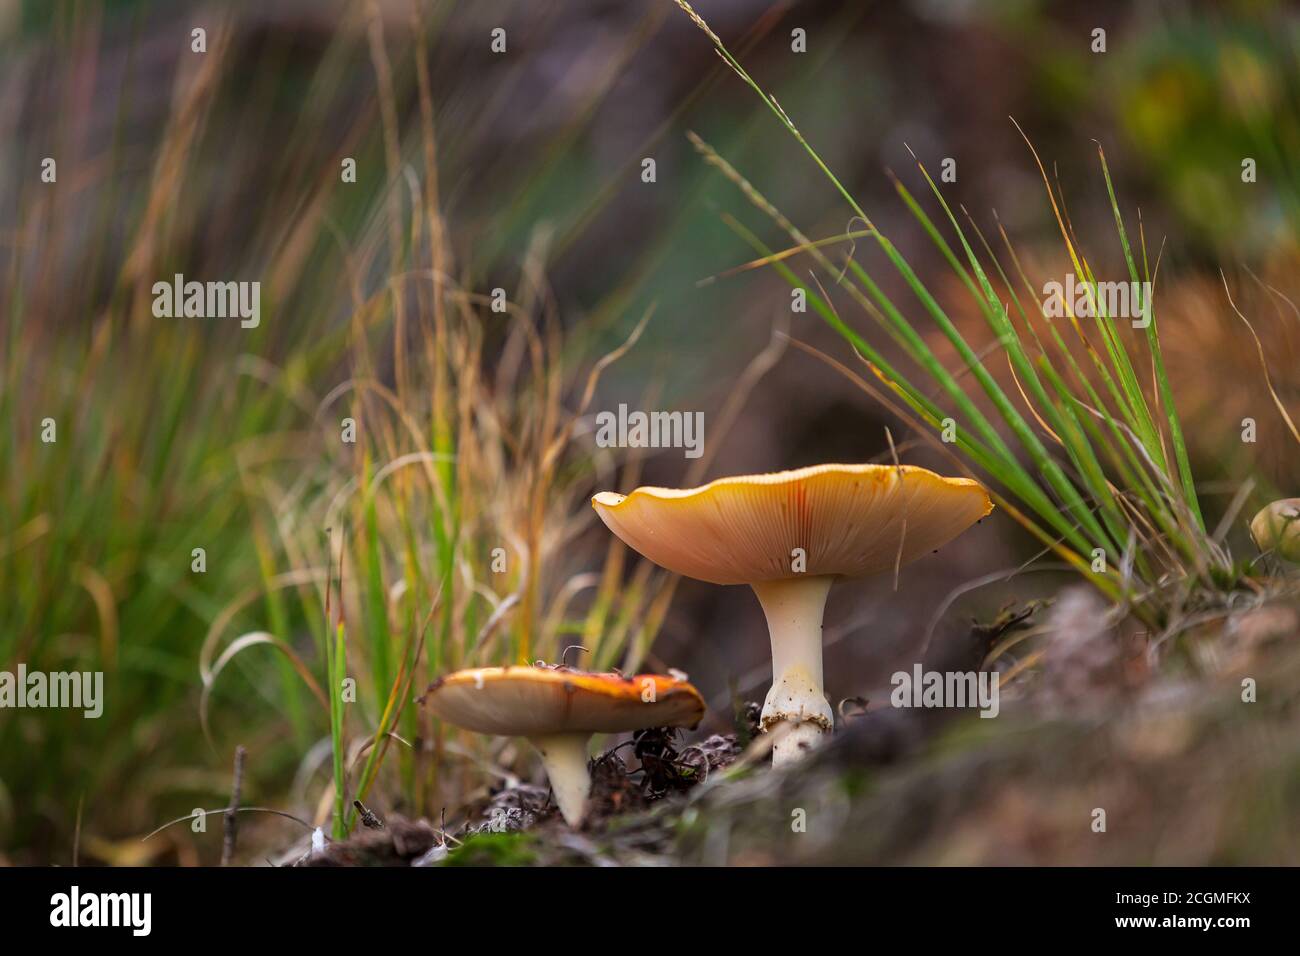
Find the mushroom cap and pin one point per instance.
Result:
(1277, 528)
(848, 519)
(537, 701)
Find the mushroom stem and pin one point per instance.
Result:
(565, 758)
(794, 610)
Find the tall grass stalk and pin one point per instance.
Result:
(1090, 460)
(176, 519)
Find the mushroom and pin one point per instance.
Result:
(558, 709)
(1277, 528)
(788, 535)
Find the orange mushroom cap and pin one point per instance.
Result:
(848, 519)
(537, 701)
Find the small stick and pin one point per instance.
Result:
(369, 818)
(76, 837)
(230, 826)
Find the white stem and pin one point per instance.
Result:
(794, 609)
(565, 758)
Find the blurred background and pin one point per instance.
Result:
(523, 170)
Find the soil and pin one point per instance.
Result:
(659, 768)
(1094, 745)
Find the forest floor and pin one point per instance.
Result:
(1105, 751)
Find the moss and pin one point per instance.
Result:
(496, 849)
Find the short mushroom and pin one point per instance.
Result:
(788, 535)
(558, 709)
(1277, 528)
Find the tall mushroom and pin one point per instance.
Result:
(1277, 528)
(558, 709)
(788, 535)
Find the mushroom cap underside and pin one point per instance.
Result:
(536, 701)
(849, 520)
